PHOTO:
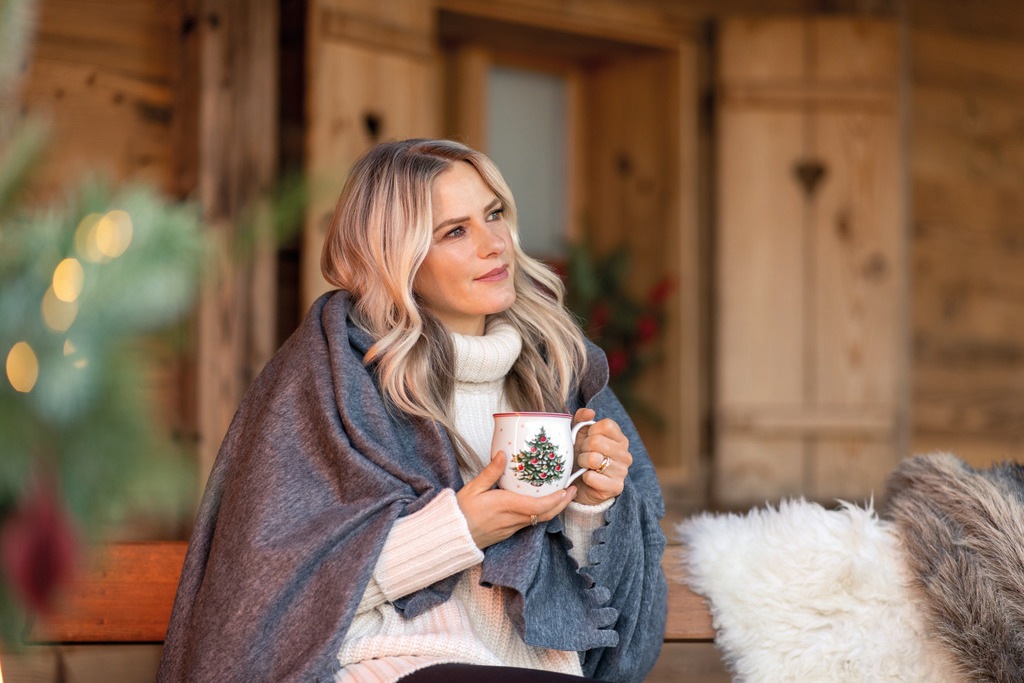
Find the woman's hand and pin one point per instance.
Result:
(605, 439)
(495, 514)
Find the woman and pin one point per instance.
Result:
(351, 530)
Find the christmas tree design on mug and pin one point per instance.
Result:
(539, 462)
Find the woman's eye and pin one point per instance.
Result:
(496, 214)
(456, 232)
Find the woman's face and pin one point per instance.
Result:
(467, 274)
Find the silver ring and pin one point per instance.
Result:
(603, 466)
(533, 520)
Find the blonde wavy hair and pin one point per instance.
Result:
(378, 237)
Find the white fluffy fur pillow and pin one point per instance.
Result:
(801, 593)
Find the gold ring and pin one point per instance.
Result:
(603, 466)
(533, 520)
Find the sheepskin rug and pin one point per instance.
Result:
(803, 593)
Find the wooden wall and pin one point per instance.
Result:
(106, 77)
(967, 170)
(124, 83)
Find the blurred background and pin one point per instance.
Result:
(796, 225)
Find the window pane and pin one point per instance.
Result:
(526, 125)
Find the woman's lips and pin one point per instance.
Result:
(494, 275)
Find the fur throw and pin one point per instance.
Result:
(933, 590)
(963, 539)
(808, 595)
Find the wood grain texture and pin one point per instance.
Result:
(968, 316)
(126, 596)
(812, 366)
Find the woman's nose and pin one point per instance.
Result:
(491, 241)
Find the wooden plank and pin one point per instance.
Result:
(610, 19)
(358, 94)
(125, 597)
(237, 164)
(875, 97)
(990, 22)
(957, 59)
(101, 663)
(466, 94)
(751, 469)
(688, 617)
(114, 119)
(852, 468)
(689, 662)
(967, 161)
(759, 51)
(134, 38)
(860, 242)
(35, 664)
(857, 51)
(761, 261)
(403, 26)
(792, 420)
(686, 249)
(981, 449)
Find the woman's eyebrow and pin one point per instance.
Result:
(462, 219)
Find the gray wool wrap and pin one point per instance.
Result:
(309, 480)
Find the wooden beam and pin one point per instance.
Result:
(237, 165)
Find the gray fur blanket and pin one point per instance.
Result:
(962, 531)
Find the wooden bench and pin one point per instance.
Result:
(127, 597)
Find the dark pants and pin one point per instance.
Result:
(446, 673)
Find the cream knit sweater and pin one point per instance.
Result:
(435, 542)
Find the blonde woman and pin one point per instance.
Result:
(351, 529)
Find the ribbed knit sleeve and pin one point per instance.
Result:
(581, 521)
(422, 548)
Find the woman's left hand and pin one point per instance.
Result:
(603, 449)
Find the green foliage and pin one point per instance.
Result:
(86, 286)
(83, 425)
(624, 326)
(87, 411)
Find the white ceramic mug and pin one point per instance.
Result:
(538, 449)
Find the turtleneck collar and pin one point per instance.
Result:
(487, 357)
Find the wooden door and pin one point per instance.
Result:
(373, 76)
(811, 260)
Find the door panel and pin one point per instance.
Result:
(811, 269)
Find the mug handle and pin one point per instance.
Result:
(572, 435)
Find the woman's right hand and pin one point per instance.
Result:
(495, 514)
